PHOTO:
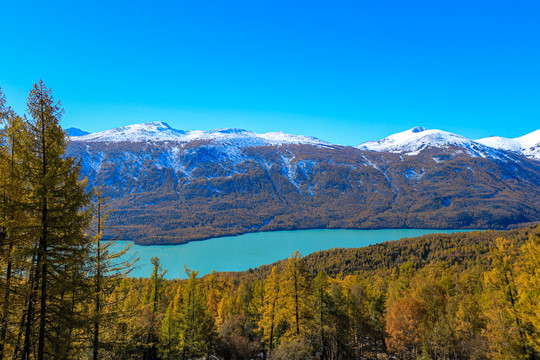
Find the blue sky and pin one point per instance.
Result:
(344, 71)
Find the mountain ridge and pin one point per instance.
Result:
(528, 144)
(414, 140)
(161, 131)
(169, 192)
(408, 142)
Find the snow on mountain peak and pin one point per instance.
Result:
(230, 131)
(139, 132)
(414, 140)
(160, 131)
(528, 145)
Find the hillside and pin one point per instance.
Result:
(170, 186)
(462, 251)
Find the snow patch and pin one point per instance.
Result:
(289, 169)
(411, 174)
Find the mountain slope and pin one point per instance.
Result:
(412, 141)
(528, 145)
(171, 186)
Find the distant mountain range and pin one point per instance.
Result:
(162, 132)
(171, 186)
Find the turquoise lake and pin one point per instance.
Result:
(238, 253)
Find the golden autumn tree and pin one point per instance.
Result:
(403, 324)
(297, 288)
(528, 286)
(271, 307)
(506, 329)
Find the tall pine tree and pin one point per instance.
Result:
(56, 203)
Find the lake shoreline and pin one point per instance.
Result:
(239, 253)
(186, 242)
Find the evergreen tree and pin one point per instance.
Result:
(108, 268)
(321, 304)
(170, 337)
(296, 295)
(197, 325)
(152, 336)
(12, 221)
(56, 203)
(272, 304)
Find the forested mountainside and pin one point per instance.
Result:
(168, 186)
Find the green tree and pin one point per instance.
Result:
(365, 313)
(56, 202)
(154, 311)
(171, 337)
(12, 222)
(108, 268)
(322, 307)
(197, 326)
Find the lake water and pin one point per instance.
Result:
(238, 253)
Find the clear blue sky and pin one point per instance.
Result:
(344, 71)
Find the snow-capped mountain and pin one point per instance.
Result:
(169, 186)
(412, 141)
(528, 145)
(159, 131)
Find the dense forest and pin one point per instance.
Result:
(64, 295)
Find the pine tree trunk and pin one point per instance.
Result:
(17, 346)
(272, 327)
(514, 310)
(4, 234)
(43, 295)
(43, 247)
(296, 305)
(34, 287)
(98, 287)
(5, 310)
